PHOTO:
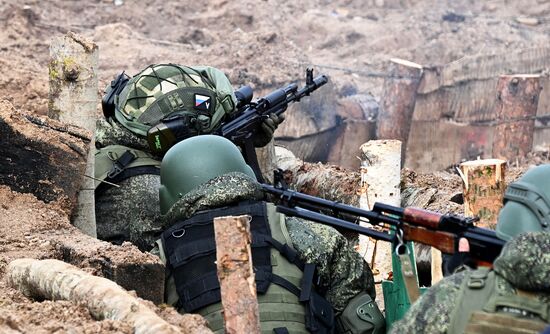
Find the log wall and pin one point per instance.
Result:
(453, 117)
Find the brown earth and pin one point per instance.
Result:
(261, 43)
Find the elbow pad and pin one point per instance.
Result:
(361, 316)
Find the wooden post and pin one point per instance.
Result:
(515, 111)
(234, 262)
(73, 99)
(483, 185)
(380, 182)
(398, 100)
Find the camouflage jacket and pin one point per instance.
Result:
(342, 271)
(110, 132)
(523, 264)
(131, 211)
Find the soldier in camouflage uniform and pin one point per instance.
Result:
(513, 296)
(129, 210)
(286, 251)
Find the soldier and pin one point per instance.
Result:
(127, 205)
(513, 296)
(291, 257)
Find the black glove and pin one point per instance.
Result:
(269, 125)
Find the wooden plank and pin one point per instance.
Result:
(237, 285)
(464, 91)
(481, 67)
(435, 145)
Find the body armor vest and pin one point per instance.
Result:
(485, 303)
(115, 163)
(286, 286)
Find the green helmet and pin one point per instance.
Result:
(526, 204)
(194, 161)
(201, 93)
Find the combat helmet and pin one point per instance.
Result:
(526, 204)
(195, 161)
(201, 94)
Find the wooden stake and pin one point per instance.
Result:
(234, 262)
(380, 182)
(483, 186)
(55, 280)
(73, 99)
(436, 264)
(515, 111)
(398, 100)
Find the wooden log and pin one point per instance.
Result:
(237, 285)
(73, 99)
(44, 230)
(380, 182)
(57, 280)
(398, 100)
(515, 111)
(326, 181)
(483, 188)
(41, 156)
(126, 265)
(359, 126)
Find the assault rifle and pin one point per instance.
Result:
(441, 231)
(241, 130)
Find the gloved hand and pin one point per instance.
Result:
(460, 260)
(269, 125)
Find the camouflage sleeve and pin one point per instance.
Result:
(109, 132)
(130, 212)
(343, 272)
(431, 312)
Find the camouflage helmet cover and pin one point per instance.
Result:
(160, 91)
(526, 204)
(194, 161)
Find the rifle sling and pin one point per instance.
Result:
(411, 283)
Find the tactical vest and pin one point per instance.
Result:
(115, 163)
(288, 302)
(484, 304)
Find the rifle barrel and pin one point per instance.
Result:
(484, 244)
(316, 203)
(334, 222)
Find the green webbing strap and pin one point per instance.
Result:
(396, 300)
(113, 160)
(409, 277)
